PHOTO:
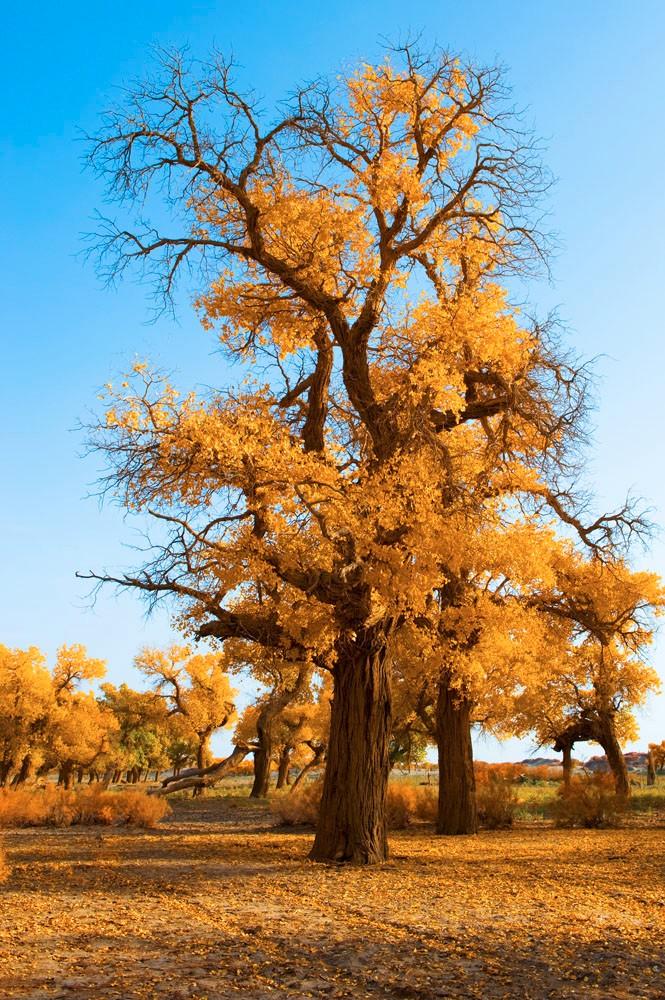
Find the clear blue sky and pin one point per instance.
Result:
(591, 75)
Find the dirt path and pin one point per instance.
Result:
(216, 904)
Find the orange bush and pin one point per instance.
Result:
(505, 772)
(400, 806)
(301, 806)
(52, 806)
(404, 804)
(496, 800)
(544, 772)
(591, 802)
(427, 803)
(4, 867)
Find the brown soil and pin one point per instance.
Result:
(215, 903)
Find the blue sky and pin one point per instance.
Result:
(591, 77)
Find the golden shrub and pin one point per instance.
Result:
(404, 804)
(426, 803)
(300, 806)
(590, 802)
(496, 801)
(52, 806)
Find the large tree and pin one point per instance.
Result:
(354, 245)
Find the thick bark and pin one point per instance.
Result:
(283, 767)
(262, 756)
(457, 813)
(615, 758)
(352, 822)
(202, 759)
(651, 769)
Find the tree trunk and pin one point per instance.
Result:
(195, 778)
(66, 775)
(352, 821)
(651, 769)
(25, 771)
(5, 771)
(283, 768)
(319, 755)
(202, 760)
(567, 765)
(262, 757)
(457, 813)
(615, 758)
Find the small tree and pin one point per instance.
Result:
(194, 686)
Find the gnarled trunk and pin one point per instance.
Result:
(352, 822)
(457, 812)
(202, 759)
(651, 769)
(283, 767)
(615, 758)
(209, 776)
(262, 756)
(25, 771)
(262, 769)
(567, 764)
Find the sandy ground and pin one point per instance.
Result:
(215, 903)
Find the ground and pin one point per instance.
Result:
(217, 903)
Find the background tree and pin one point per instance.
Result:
(26, 706)
(80, 728)
(144, 731)
(590, 692)
(195, 686)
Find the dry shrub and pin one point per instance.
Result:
(496, 800)
(427, 803)
(301, 806)
(4, 867)
(404, 804)
(245, 767)
(400, 806)
(505, 772)
(139, 809)
(590, 802)
(546, 772)
(52, 806)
